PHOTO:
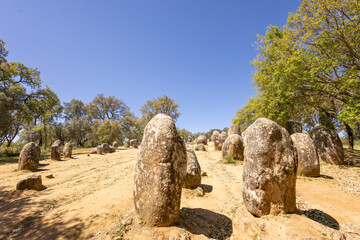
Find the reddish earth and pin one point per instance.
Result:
(89, 195)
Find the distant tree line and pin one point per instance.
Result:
(34, 113)
(309, 69)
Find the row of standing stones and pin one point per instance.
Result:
(30, 156)
(165, 164)
(271, 160)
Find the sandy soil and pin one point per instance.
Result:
(89, 197)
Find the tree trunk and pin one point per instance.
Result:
(350, 136)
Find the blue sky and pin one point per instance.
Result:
(195, 51)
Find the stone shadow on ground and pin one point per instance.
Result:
(321, 217)
(200, 221)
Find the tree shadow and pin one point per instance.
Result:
(325, 176)
(200, 221)
(321, 217)
(23, 215)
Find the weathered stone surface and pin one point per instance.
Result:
(106, 147)
(55, 150)
(223, 136)
(234, 129)
(93, 151)
(193, 171)
(233, 147)
(201, 140)
(189, 139)
(200, 147)
(269, 175)
(127, 143)
(293, 127)
(217, 140)
(308, 162)
(112, 149)
(328, 145)
(67, 152)
(28, 159)
(32, 181)
(159, 173)
(99, 149)
(214, 133)
(115, 144)
(134, 143)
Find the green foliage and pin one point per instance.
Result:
(309, 70)
(229, 159)
(163, 105)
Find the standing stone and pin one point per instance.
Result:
(308, 162)
(32, 181)
(28, 159)
(216, 138)
(200, 147)
(99, 149)
(223, 136)
(234, 129)
(55, 150)
(67, 150)
(328, 145)
(105, 147)
(115, 144)
(293, 127)
(233, 147)
(134, 143)
(189, 139)
(193, 171)
(127, 143)
(269, 175)
(159, 173)
(214, 133)
(201, 139)
(112, 149)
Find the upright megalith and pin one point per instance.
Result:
(55, 150)
(216, 138)
(159, 173)
(134, 143)
(189, 139)
(115, 144)
(127, 143)
(269, 175)
(308, 161)
(328, 145)
(234, 129)
(105, 147)
(201, 140)
(67, 152)
(293, 127)
(193, 170)
(233, 147)
(223, 136)
(29, 157)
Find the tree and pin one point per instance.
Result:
(309, 68)
(107, 108)
(18, 86)
(74, 109)
(108, 131)
(163, 105)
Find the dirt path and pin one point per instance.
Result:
(90, 194)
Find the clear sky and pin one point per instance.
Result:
(195, 51)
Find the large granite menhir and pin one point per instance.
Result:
(55, 150)
(328, 145)
(29, 157)
(159, 173)
(269, 175)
